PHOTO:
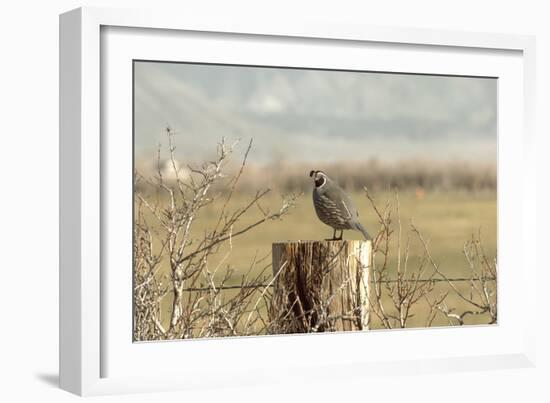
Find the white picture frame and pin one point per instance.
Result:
(95, 355)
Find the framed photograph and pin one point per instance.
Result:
(243, 202)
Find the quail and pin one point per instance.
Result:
(334, 207)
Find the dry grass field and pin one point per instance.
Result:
(446, 219)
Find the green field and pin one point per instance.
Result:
(446, 220)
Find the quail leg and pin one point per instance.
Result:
(333, 236)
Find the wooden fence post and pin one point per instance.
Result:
(320, 286)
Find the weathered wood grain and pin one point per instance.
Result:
(320, 286)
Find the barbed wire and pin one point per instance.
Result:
(388, 281)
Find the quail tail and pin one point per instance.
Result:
(362, 230)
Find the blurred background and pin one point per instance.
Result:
(432, 140)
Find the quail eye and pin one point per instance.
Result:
(319, 181)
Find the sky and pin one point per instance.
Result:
(312, 115)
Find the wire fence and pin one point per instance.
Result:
(387, 281)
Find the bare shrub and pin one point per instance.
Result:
(410, 286)
(480, 295)
(395, 298)
(163, 235)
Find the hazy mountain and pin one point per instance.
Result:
(314, 115)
